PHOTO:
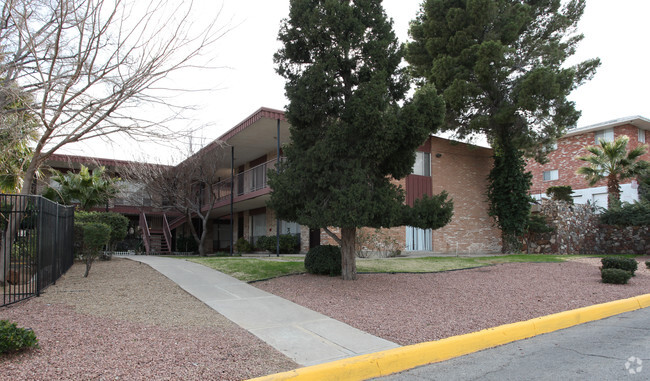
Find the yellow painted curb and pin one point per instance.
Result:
(399, 359)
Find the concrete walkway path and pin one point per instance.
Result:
(305, 336)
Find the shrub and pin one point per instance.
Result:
(89, 239)
(13, 339)
(118, 223)
(560, 193)
(324, 260)
(615, 276)
(647, 264)
(635, 214)
(628, 264)
(243, 246)
(187, 244)
(537, 224)
(289, 244)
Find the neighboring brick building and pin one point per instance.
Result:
(563, 163)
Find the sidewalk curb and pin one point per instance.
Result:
(400, 359)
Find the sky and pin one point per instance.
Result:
(616, 32)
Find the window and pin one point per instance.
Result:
(551, 175)
(418, 239)
(287, 227)
(422, 166)
(641, 136)
(258, 226)
(606, 135)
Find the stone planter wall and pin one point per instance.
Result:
(578, 231)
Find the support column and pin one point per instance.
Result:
(232, 192)
(277, 220)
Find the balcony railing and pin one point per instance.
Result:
(246, 182)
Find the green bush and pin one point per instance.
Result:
(13, 339)
(88, 241)
(615, 276)
(187, 244)
(243, 246)
(647, 264)
(635, 214)
(118, 223)
(560, 193)
(628, 264)
(289, 244)
(324, 260)
(537, 224)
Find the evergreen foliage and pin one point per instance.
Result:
(615, 276)
(612, 161)
(89, 239)
(627, 214)
(560, 193)
(118, 223)
(628, 264)
(289, 244)
(324, 260)
(508, 195)
(243, 246)
(14, 338)
(499, 65)
(349, 134)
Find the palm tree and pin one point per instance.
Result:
(612, 160)
(86, 188)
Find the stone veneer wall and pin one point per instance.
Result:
(578, 231)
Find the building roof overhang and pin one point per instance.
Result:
(637, 121)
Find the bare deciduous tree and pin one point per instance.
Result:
(192, 188)
(91, 67)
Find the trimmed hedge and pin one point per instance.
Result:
(324, 260)
(289, 244)
(560, 193)
(13, 338)
(628, 264)
(615, 276)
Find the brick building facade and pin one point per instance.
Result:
(563, 163)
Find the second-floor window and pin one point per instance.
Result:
(606, 135)
(551, 175)
(422, 166)
(641, 136)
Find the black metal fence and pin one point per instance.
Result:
(35, 245)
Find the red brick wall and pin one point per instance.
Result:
(564, 159)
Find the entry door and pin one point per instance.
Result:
(314, 237)
(418, 239)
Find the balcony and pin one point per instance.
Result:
(247, 182)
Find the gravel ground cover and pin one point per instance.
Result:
(127, 321)
(413, 308)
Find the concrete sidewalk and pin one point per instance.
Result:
(303, 335)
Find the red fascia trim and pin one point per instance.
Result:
(263, 112)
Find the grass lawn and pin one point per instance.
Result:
(251, 269)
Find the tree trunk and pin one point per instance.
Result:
(613, 191)
(510, 243)
(89, 263)
(348, 260)
(204, 233)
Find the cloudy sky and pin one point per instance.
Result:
(616, 32)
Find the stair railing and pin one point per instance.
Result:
(167, 232)
(146, 236)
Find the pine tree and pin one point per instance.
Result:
(349, 134)
(499, 65)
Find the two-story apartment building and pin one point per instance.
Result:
(563, 163)
(252, 147)
(441, 164)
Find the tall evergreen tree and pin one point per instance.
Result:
(349, 134)
(499, 65)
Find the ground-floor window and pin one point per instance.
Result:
(287, 227)
(258, 227)
(418, 239)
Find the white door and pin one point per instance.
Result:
(418, 239)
